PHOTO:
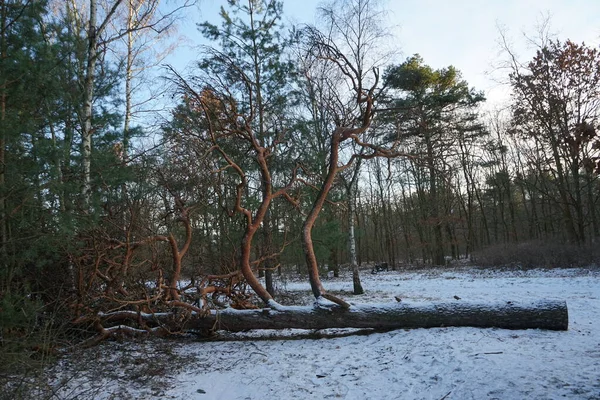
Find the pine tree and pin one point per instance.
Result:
(429, 106)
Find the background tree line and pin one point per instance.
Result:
(286, 147)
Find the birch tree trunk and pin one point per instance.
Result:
(128, 78)
(357, 286)
(88, 96)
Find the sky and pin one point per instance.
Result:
(461, 33)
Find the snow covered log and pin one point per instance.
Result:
(551, 315)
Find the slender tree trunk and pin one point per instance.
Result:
(438, 241)
(88, 98)
(390, 224)
(3, 200)
(424, 236)
(262, 137)
(511, 211)
(357, 286)
(128, 78)
(506, 186)
(68, 134)
(421, 214)
(351, 187)
(222, 235)
(502, 207)
(359, 220)
(579, 223)
(496, 205)
(387, 243)
(278, 222)
(454, 250)
(403, 209)
(88, 94)
(484, 219)
(268, 250)
(592, 206)
(535, 229)
(467, 209)
(520, 184)
(546, 219)
(468, 204)
(57, 165)
(564, 196)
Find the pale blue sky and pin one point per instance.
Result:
(463, 33)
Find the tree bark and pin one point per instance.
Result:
(437, 255)
(93, 39)
(351, 192)
(268, 251)
(544, 314)
(86, 132)
(309, 222)
(128, 78)
(357, 286)
(593, 210)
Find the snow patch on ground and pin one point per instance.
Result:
(441, 363)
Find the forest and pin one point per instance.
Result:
(130, 189)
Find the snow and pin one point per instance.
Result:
(440, 363)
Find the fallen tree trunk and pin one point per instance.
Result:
(551, 315)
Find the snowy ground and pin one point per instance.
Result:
(442, 363)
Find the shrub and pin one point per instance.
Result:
(538, 254)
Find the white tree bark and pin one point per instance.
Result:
(128, 75)
(88, 97)
(357, 286)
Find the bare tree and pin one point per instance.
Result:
(557, 105)
(228, 115)
(351, 43)
(144, 49)
(101, 17)
(352, 116)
